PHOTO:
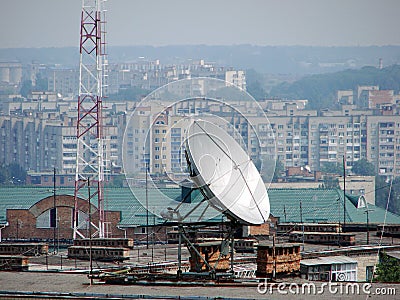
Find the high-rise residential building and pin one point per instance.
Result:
(41, 133)
(237, 78)
(384, 144)
(11, 72)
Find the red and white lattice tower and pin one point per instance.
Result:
(90, 159)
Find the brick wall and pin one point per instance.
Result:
(211, 253)
(287, 259)
(264, 229)
(22, 222)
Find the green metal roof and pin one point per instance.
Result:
(317, 205)
(323, 205)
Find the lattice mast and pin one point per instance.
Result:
(90, 158)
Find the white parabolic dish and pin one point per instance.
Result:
(226, 174)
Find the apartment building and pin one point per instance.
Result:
(144, 74)
(384, 144)
(39, 135)
(39, 144)
(237, 78)
(11, 72)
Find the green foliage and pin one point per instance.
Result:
(382, 187)
(26, 88)
(381, 191)
(12, 174)
(41, 83)
(363, 167)
(3, 175)
(254, 85)
(321, 89)
(117, 181)
(388, 269)
(279, 169)
(332, 168)
(131, 93)
(330, 182)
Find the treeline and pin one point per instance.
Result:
(387, 194)
(321, 89)
(12, 174)
(264, 59)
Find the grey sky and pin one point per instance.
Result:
(55, 23)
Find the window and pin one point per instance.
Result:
(47, 219)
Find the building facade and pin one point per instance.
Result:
(40, 133)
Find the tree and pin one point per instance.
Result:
(381, 191)
(363, 167)
(330, 182)
(26, 88)
(388, 269)
(129, 93)
(118, 181)
(320, 89)
(332, 168)
(279, 169)
(41, 83)
(17, 173)
(382, 187)
(254, 85)
(12, 173)
(3, 175)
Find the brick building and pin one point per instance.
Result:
(38, 222)
(278, 259)
(26, 212)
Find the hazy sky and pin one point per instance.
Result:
(55, 23)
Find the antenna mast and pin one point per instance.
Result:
(90, 157)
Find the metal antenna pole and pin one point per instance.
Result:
(344, 193)
(284, 211)
(367, 227)
(90, 233)
(179, 273)
(302, 224)
(90, 148)
(232, 238)
(147, 210)
(54, 214)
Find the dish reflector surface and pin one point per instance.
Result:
(225, 173)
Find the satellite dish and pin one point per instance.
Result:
(226, 175)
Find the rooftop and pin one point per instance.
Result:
(328, 260)
(317, 205)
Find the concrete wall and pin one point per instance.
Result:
(362, 263)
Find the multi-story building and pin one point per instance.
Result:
(237, 78)
(11, 72)
(40, 140)
(40, 134)
(62, 80)
(384, 144)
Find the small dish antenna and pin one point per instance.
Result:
(225, 174)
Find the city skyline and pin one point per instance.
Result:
(44, 23)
